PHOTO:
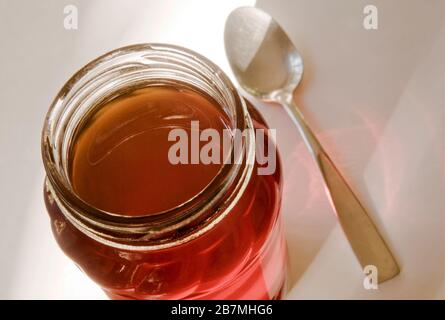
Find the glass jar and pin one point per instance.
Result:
(225, 243)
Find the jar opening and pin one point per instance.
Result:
(104, 80)
(140, 152)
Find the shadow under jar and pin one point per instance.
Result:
(139, 225)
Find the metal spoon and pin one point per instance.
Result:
(267, 65)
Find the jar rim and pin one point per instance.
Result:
(154, 231)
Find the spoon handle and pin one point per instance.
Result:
(364, 238)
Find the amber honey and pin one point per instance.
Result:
(119, 164)
(119, 160)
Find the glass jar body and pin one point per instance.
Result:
(242, 257)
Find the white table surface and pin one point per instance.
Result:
(375, 99)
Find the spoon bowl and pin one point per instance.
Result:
(261, 55)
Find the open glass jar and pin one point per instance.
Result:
(223, 242)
